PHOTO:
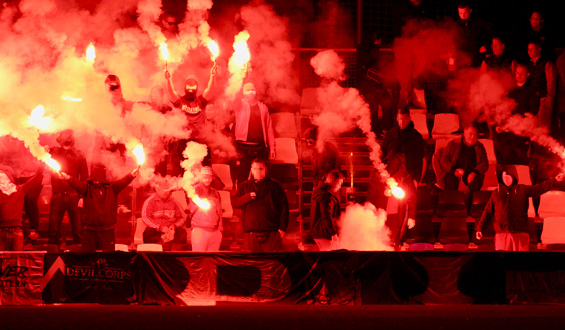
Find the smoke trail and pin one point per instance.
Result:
(363, 229)
(237, 64)
(194, 154)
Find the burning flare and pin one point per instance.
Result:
(36, 118)
(52, 163)
(201, 203)
(214, 49)
(90, 53)
(164, 51)
(139, 154)
(398, 192)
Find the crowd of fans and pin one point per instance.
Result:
(92, 203)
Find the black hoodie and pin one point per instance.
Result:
(509, 205)
(324, 212)
(403, 149)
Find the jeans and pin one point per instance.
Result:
(61, 203)
(11, 239)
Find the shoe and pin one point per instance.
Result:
(33, 235)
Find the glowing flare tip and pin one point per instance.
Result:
(214, 49)
(139, 154)
(201, 203)
(90, 53)
(164, 51)
(53, 164)
(398, 192)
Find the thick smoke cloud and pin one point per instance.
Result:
(363, 229)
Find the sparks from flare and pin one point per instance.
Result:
(139, 154)
(37, 119)
(398, 192)
(90, 53)
(201, 203)
(241, 54)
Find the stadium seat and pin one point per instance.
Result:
(419, 99)
(491, 180)
(452, 204)
(286, 151)
(139, 228)
(121, 247)
(480, 199)
(223, 172)
(309, 104)
(444, 125)
(453, 234)
(551, 205)
(421, 237)
(523, 174)
(284, 125)
(147, 247)
(553, 234)
(489, 147)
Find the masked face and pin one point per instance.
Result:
(507, 179)
(249, 92)
(258, 171)
(190, 92)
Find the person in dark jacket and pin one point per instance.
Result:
(265, 210)
(325, 211)
(11, 205)
(463, 160)
(100, 207)
(65, 198)
(508, 209)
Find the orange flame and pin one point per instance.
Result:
(164, 51)
(201, 203)
(214, 49)
(90, 52)
(36, 118)
(52, 163)
(139, 154)
(241, 54)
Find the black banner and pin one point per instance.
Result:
(105, 278)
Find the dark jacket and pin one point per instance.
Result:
(268, 211)
(100, 201)
(11, 206)
(508, 206)
(324, 212)
(446, 158)
(404, 149)
(526, 99)
(73, 163)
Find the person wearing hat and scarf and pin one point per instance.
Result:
(65, 198)
(194, 107)
(508, 209)
(100, 207)
(11, 205)
(206, 224)
(164, 217)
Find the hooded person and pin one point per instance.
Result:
(508, 206)
(194, 107)
(11, 206)
(100, 207)
(206, 223)
(326, 210)
(65, 198)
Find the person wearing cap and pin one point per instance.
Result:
(65, 198)
(194, 107)
(100, 207)
(164, 217)
(206, 224)
(11, 205)
(508, 209)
